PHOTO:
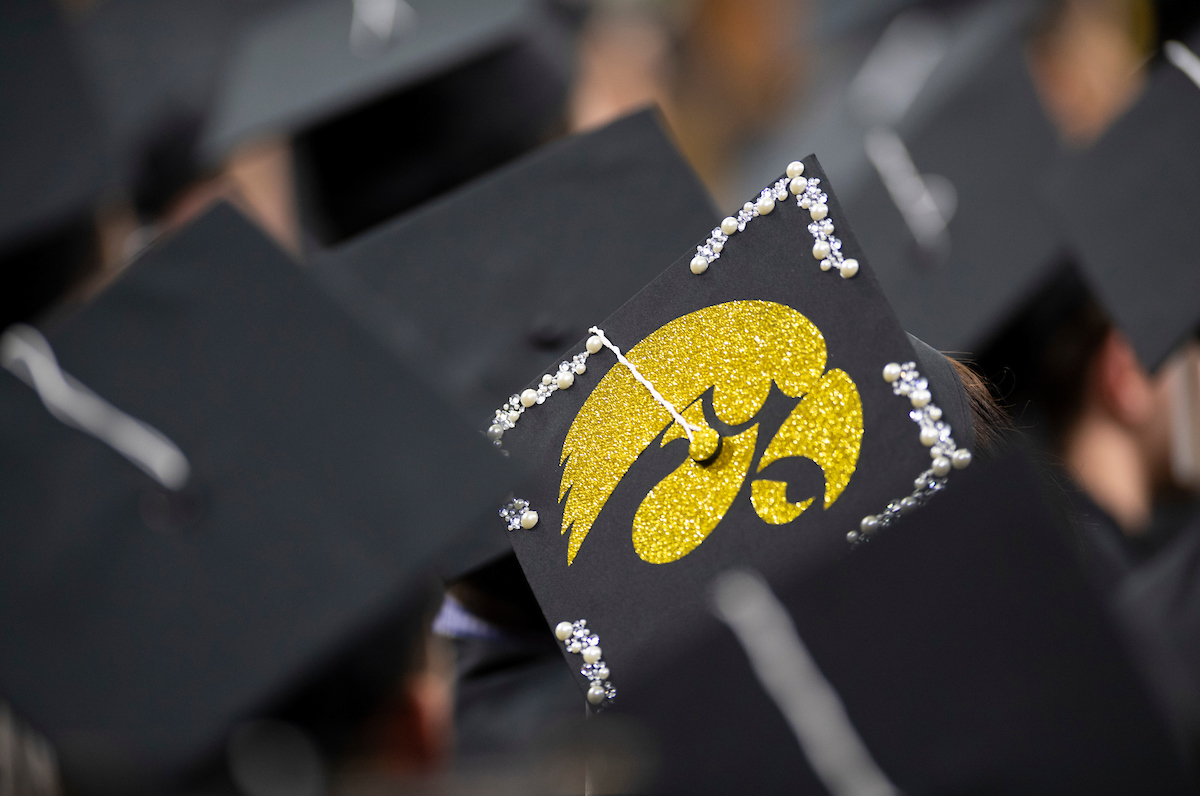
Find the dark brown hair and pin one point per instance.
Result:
(989, 420)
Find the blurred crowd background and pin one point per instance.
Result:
(249, 101)
(943, 125)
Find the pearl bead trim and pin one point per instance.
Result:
(827, 248)
(935, 434)
(506, 417)
(518, 515)
(578, 639)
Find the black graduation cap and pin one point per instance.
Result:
(772, 413)
(1139, 182)
(260, 486)
(54, 157)
(961, 652)
(953, 211)
(392, 101)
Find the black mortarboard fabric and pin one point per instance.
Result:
(807, 426)
(960, 652)
(54, 158)
(979, 160)
(392, 103)
(1147, 167)
(143, 615)
(487, 285)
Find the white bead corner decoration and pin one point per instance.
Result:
(518, 515)
(935, 434)
(578, 639)
(827, 248)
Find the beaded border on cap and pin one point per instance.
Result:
(578, 639)
(935, 434)
(827, 248)
(506, 417)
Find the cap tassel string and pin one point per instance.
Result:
(28, 356)
(687, 427)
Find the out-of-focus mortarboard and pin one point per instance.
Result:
(487, 286)
(963, 652)
(54, 157)
(953, 212)
(765, 409)
(490, 283)
(1139, 182)
(394, 102)
(294, 483)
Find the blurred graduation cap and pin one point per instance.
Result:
(765, 409)
(216, 488)
(393, 102)
(962, 652)
(490, 283)
(487, 285)
(54, 157)
(1139, 182)
(953, 212)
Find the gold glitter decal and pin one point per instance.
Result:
(738, 348)
(770, 502)
(826, 427)
(686, 506)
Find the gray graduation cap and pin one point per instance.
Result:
(54, 158)
(952, 211)
(1130, 206)
(394, 101)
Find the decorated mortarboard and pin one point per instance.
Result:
(1140, 182)
(54, 157)
(964, 652)
(953, 212)
(213, 483)
(757, 404)
(393, 102)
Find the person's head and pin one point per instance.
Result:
(1119, 429)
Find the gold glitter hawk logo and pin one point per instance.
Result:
(738, 348)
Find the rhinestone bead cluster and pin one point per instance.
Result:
(578, 639)
(827, 248)
(506, 417)
(935, 434)
(517, 515)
